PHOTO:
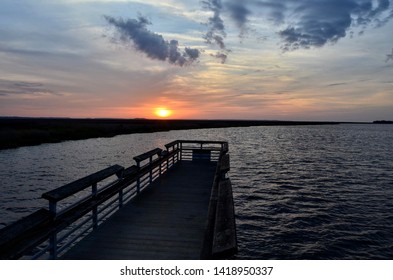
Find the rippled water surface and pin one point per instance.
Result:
(301, 192)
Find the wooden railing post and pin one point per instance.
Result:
(174, 149)
(53, 207)
(53, 238)
(224, 166)
(121, 198)
(94, 211)
(159, 167)
(167, 163)
(53, 246)
(138, 180)
(181, 151)
(151, 169)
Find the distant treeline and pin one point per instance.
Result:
(383, 122)
(17, 132)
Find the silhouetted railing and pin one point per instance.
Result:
(77, 208)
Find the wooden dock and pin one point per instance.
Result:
(173, 204)
(167, 221)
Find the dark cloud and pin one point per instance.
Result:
(222, 56)
(216, 28)
(152, 44)
(275, 10)
(193, 54)
(327, 21)
(216, 23)
(336, 84)
(238, 12)
(303, 23)
(367, 12)
(8, 87)
(216, 39)
(319, 22)
(389, 56)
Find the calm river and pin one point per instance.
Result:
(301, 192)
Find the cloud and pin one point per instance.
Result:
(239, 13)
(152, 44)
(216, 22)
(389, 57)
(216, 29)
(336, 84)
(222, 56)
(326, 21)
(367, 12)
(302, 24)
(274, 10)
(319, 22)
(9, 87)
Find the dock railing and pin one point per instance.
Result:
(78, 208)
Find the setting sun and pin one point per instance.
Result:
(163, 112)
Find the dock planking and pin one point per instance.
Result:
(167, 221)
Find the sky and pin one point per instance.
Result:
(197, 59)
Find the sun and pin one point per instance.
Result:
(163, 112)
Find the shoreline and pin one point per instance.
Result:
(18, 132)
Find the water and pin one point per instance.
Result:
(302, 192)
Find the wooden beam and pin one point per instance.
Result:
(207, 245)
(225, 164)
(147, 155)
(225, 241)
(81, 184)
(171, 144)
(19, 235)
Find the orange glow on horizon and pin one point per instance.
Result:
(163, 112)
